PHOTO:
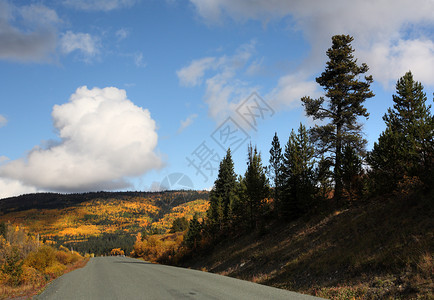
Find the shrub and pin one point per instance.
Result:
(41, 259)
(13, 266)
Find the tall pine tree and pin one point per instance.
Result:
(405, 148)
(274, 170)
(345, 92)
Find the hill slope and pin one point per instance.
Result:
(97, 222)
(381, 249)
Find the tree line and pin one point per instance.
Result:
(327, 165)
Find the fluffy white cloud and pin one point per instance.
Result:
(99, 5)
(12, 188)
(187, 122)
(3, 121)
(379, 27)
(83, 42)
(387, 60)
(27, 33)
(105, 139)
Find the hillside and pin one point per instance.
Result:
(376, 250)
(98, 222)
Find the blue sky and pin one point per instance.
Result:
(127, 94)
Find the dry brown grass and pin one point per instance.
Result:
(377, 250)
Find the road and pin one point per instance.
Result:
(128, 278)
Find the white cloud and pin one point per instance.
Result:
(99, 5)
(378, 27)
(3, 121)
(138, 60)
(192, 75)
(187, 122)
(387, 60)
(122, 34)
(11, 188)
(27, 33)
(105, 139)
(37, 14)
(290, 89)
(223, 91)
(83, 42)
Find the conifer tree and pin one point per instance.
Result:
(345, 92)
(222, 193)
(193, 235)
(298, 174)
(351, 171)
(275, 168)
(257, 186)
(405, 148)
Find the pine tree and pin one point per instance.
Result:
(346, 92)
(275, 168)
(257, 186)
(298, 174)
(405, 148)
(222, 192)
(351, 171)
(193, 235)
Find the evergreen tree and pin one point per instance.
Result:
(346, 92)
(257, 186)
(298, 174)
(179, 224)
(275, 169)
(193, 235)
(405, 148)
(222, 193)
(351, 171)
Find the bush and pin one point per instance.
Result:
(13, 266)
(41, 259)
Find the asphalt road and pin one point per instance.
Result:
(128, 278)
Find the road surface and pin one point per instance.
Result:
(128, 278)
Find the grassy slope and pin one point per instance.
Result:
(381, 249)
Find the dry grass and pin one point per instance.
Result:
(378, 250)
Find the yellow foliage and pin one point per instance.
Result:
(81, 230)
(117, 251)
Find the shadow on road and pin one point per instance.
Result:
(132, 262)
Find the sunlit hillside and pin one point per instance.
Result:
(111, 219)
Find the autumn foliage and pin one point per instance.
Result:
(26, 264)
(117, 251)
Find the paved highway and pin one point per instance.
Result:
(128, 278)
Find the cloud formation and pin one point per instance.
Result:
(187, 122)
(36, 37)
(3, 121)
(99, 5)
(87, 44)
(225, 89)
(192, 74)
(379, 27)
(220, 75)
(104, 139)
